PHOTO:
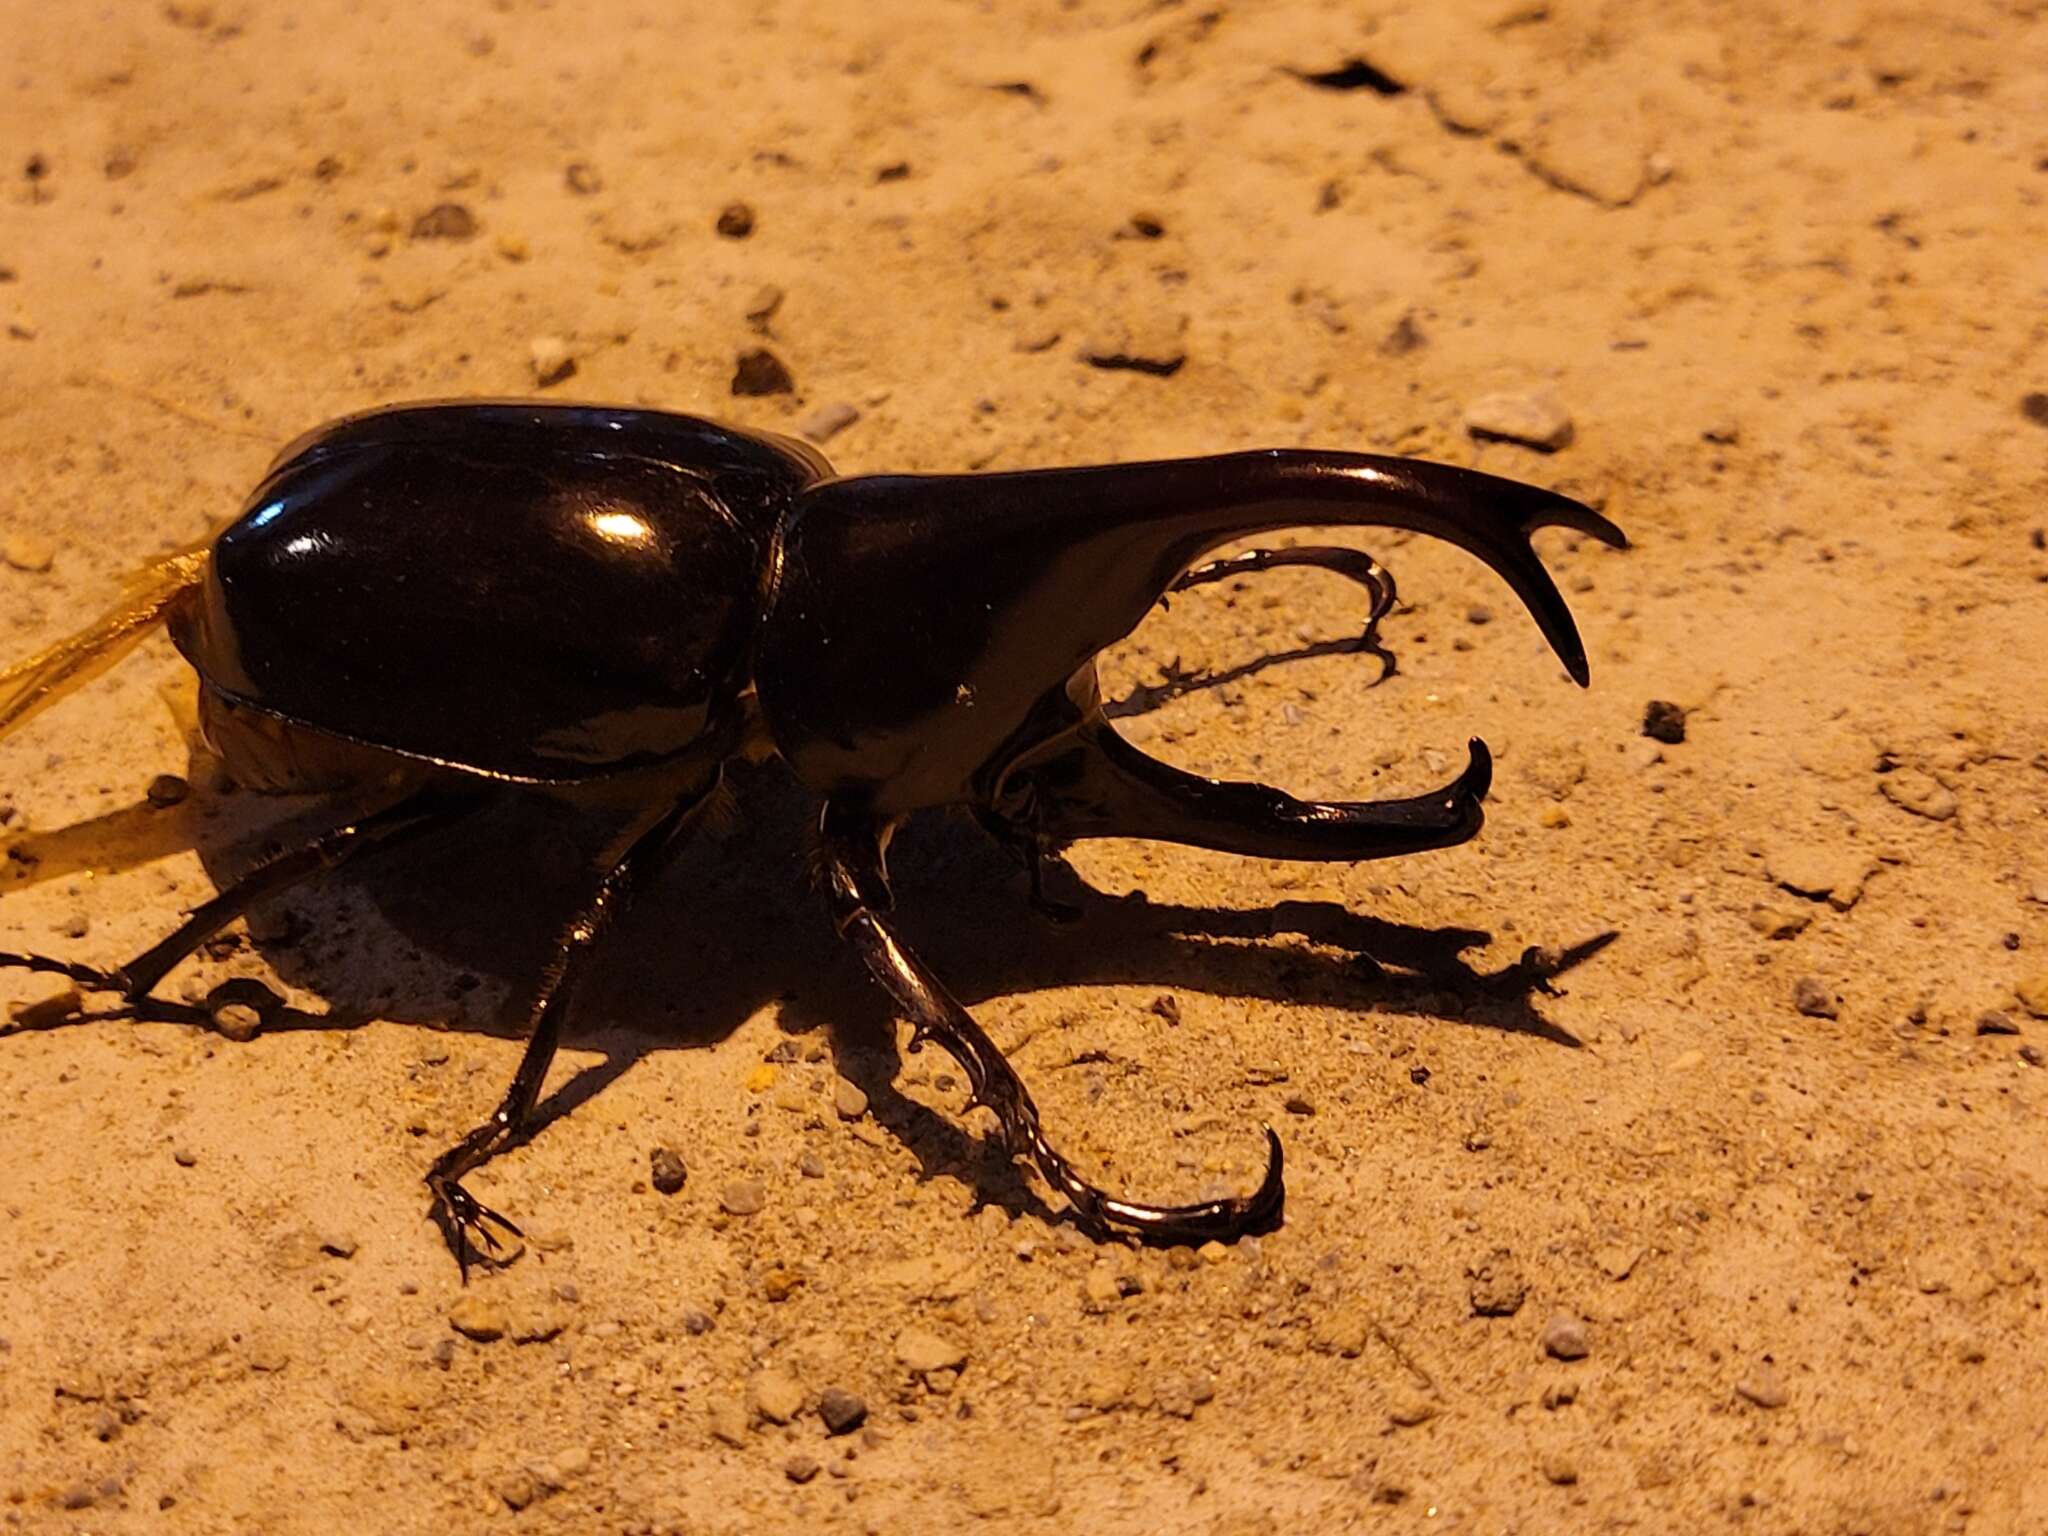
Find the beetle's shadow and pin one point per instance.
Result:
(734, 925)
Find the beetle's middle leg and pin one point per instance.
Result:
(1352, 564)
(465, 1222)
(417, 814)
(858, 886)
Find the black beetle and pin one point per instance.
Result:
(458, 598)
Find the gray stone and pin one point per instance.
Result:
(1564, 1338)
(1535, 419)
(842, 1411)
(848, 1099)
(744, 1197)
(1814, 998)
(666, 1170)
(1763, 1386)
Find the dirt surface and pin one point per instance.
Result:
(1770, 1163)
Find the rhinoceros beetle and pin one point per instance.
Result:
(458, 600)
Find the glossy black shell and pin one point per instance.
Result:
(544, 593)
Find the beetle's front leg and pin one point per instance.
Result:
(1030, 851)
(858, 887)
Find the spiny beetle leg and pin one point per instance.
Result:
(639, 854)
(858, 882)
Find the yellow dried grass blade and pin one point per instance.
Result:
(31, 686)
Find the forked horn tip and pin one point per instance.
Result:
(1478, 777)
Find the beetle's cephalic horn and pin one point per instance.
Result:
(1096, 784)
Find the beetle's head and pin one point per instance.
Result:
(932, 640)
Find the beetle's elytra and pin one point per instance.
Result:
(464, 600)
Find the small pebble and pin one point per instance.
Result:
(2032, 992)
(1778, 922)
(339, 1245)
(550, 359)
(184, 1157)
(1152, 343)
(1820, 870)
(842, 1411)
(1763, 1386)
(727, 1421)
(1536, 419)
(1664, 721)
(75, 926)
(761, 372)
(1996, 1022)
(537, 1325)
(565, 1465)
(744, 1197)
(666, 1171)
(801, 1468)
(28, 552)
(1559, 1468)
(1099, 1290)
(735, 221)
(2031, 1054)
(1498, 1286)
(1478, 613)
(762, 306)
(237, 1022)
(1299, 1105)
(516, 1487)
(475, 1318)
(848, 1101)
(445, 221)
(2034, 406)
(776, 1395)
(1564, 1338)
(1341, 1330)
(582, 178)
(828, 421)
(697, 1322)
(1812, 997)
(166, 789)
(1167, 1007)
(1410, 1408)
(923, 1352)
(1920, 793)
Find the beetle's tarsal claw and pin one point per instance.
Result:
(1223, 1220)
(465, 1223)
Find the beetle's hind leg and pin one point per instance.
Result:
(858, 886)
(414, 816)
(465, 1222)
(1352, 564)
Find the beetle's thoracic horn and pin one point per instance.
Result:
(905, 599)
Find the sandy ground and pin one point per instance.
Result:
(1786, 278)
